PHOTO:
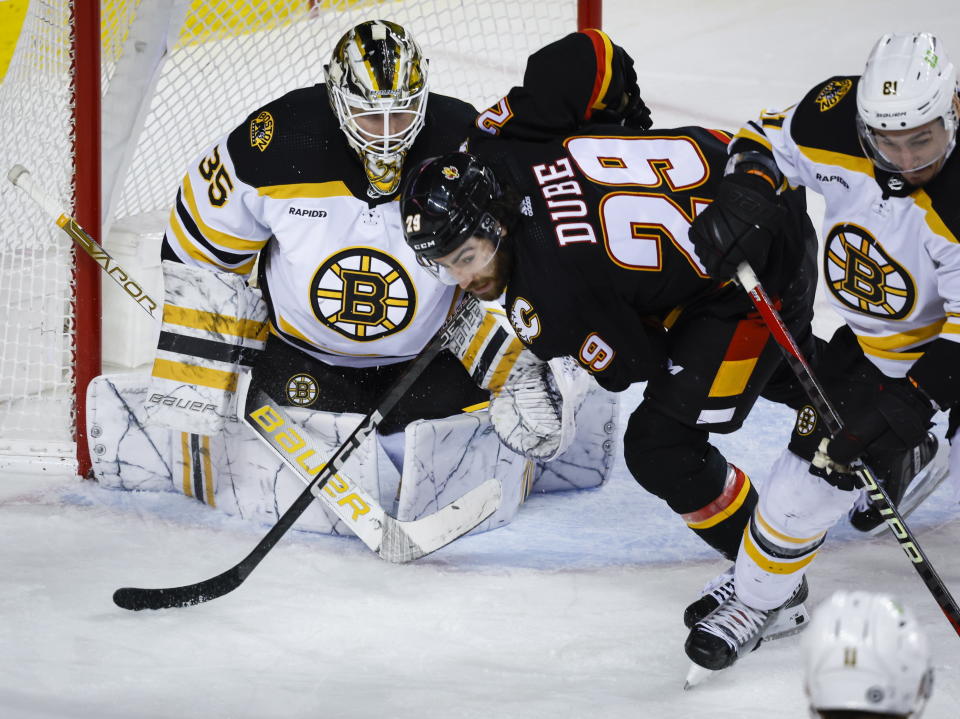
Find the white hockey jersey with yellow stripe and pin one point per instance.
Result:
(891, 257)
(339, 280)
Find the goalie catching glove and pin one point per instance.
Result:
(532, 402)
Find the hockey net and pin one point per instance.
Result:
(174, 75)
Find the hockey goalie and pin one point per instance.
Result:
(293, 303)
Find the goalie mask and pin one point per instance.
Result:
(377, 85)
(864, 652)
(907, 106)
(453, 218)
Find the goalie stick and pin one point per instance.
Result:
(748, 280)
(392, 539)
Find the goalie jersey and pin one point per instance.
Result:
(339, 280)
(891, 260)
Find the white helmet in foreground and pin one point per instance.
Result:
(377, 85)
(865, 652)
(909, 83)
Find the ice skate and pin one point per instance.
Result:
(791, 619)
(735, 629)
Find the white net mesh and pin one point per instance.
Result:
(222, 68)
(224, 59)
(36, 329)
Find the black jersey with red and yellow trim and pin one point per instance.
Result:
(601, 254)
(891, 260)
(340, 281)
(602, 261)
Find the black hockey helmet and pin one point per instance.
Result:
(447, 200)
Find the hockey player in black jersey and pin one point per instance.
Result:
(880, 148)
(578, 213)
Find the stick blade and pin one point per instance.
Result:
(136, 598)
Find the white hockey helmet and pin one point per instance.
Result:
(865, 652)
(908, 82)
(377, 84)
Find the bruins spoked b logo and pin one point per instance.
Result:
(806, 420)
(363, 294)
(302, 390)
(863, 276)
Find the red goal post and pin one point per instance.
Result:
(105, 103)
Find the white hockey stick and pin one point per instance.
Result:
(391, 539)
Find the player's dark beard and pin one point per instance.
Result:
(492, 283)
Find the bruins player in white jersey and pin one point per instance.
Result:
(880, 148)
(304, 189)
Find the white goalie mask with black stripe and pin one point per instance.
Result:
(377, 84)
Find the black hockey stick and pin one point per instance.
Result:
(825, 409)
(135, 598)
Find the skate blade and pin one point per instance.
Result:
(917, 492)
(696, 675)
(793, 621)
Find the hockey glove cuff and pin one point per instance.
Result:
(624, 105)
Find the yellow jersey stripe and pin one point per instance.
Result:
(732, 377)
(190, 247)
(228, 241)
(933, 219)
(828, 157)
(334, 188)
(903, 339)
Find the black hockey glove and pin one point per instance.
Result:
(739, 226)
(624, 104)
(898, 420)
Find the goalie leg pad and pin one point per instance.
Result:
(214, 324)
(446, 458)
(232, 470)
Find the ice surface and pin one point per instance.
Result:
(574, 610)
